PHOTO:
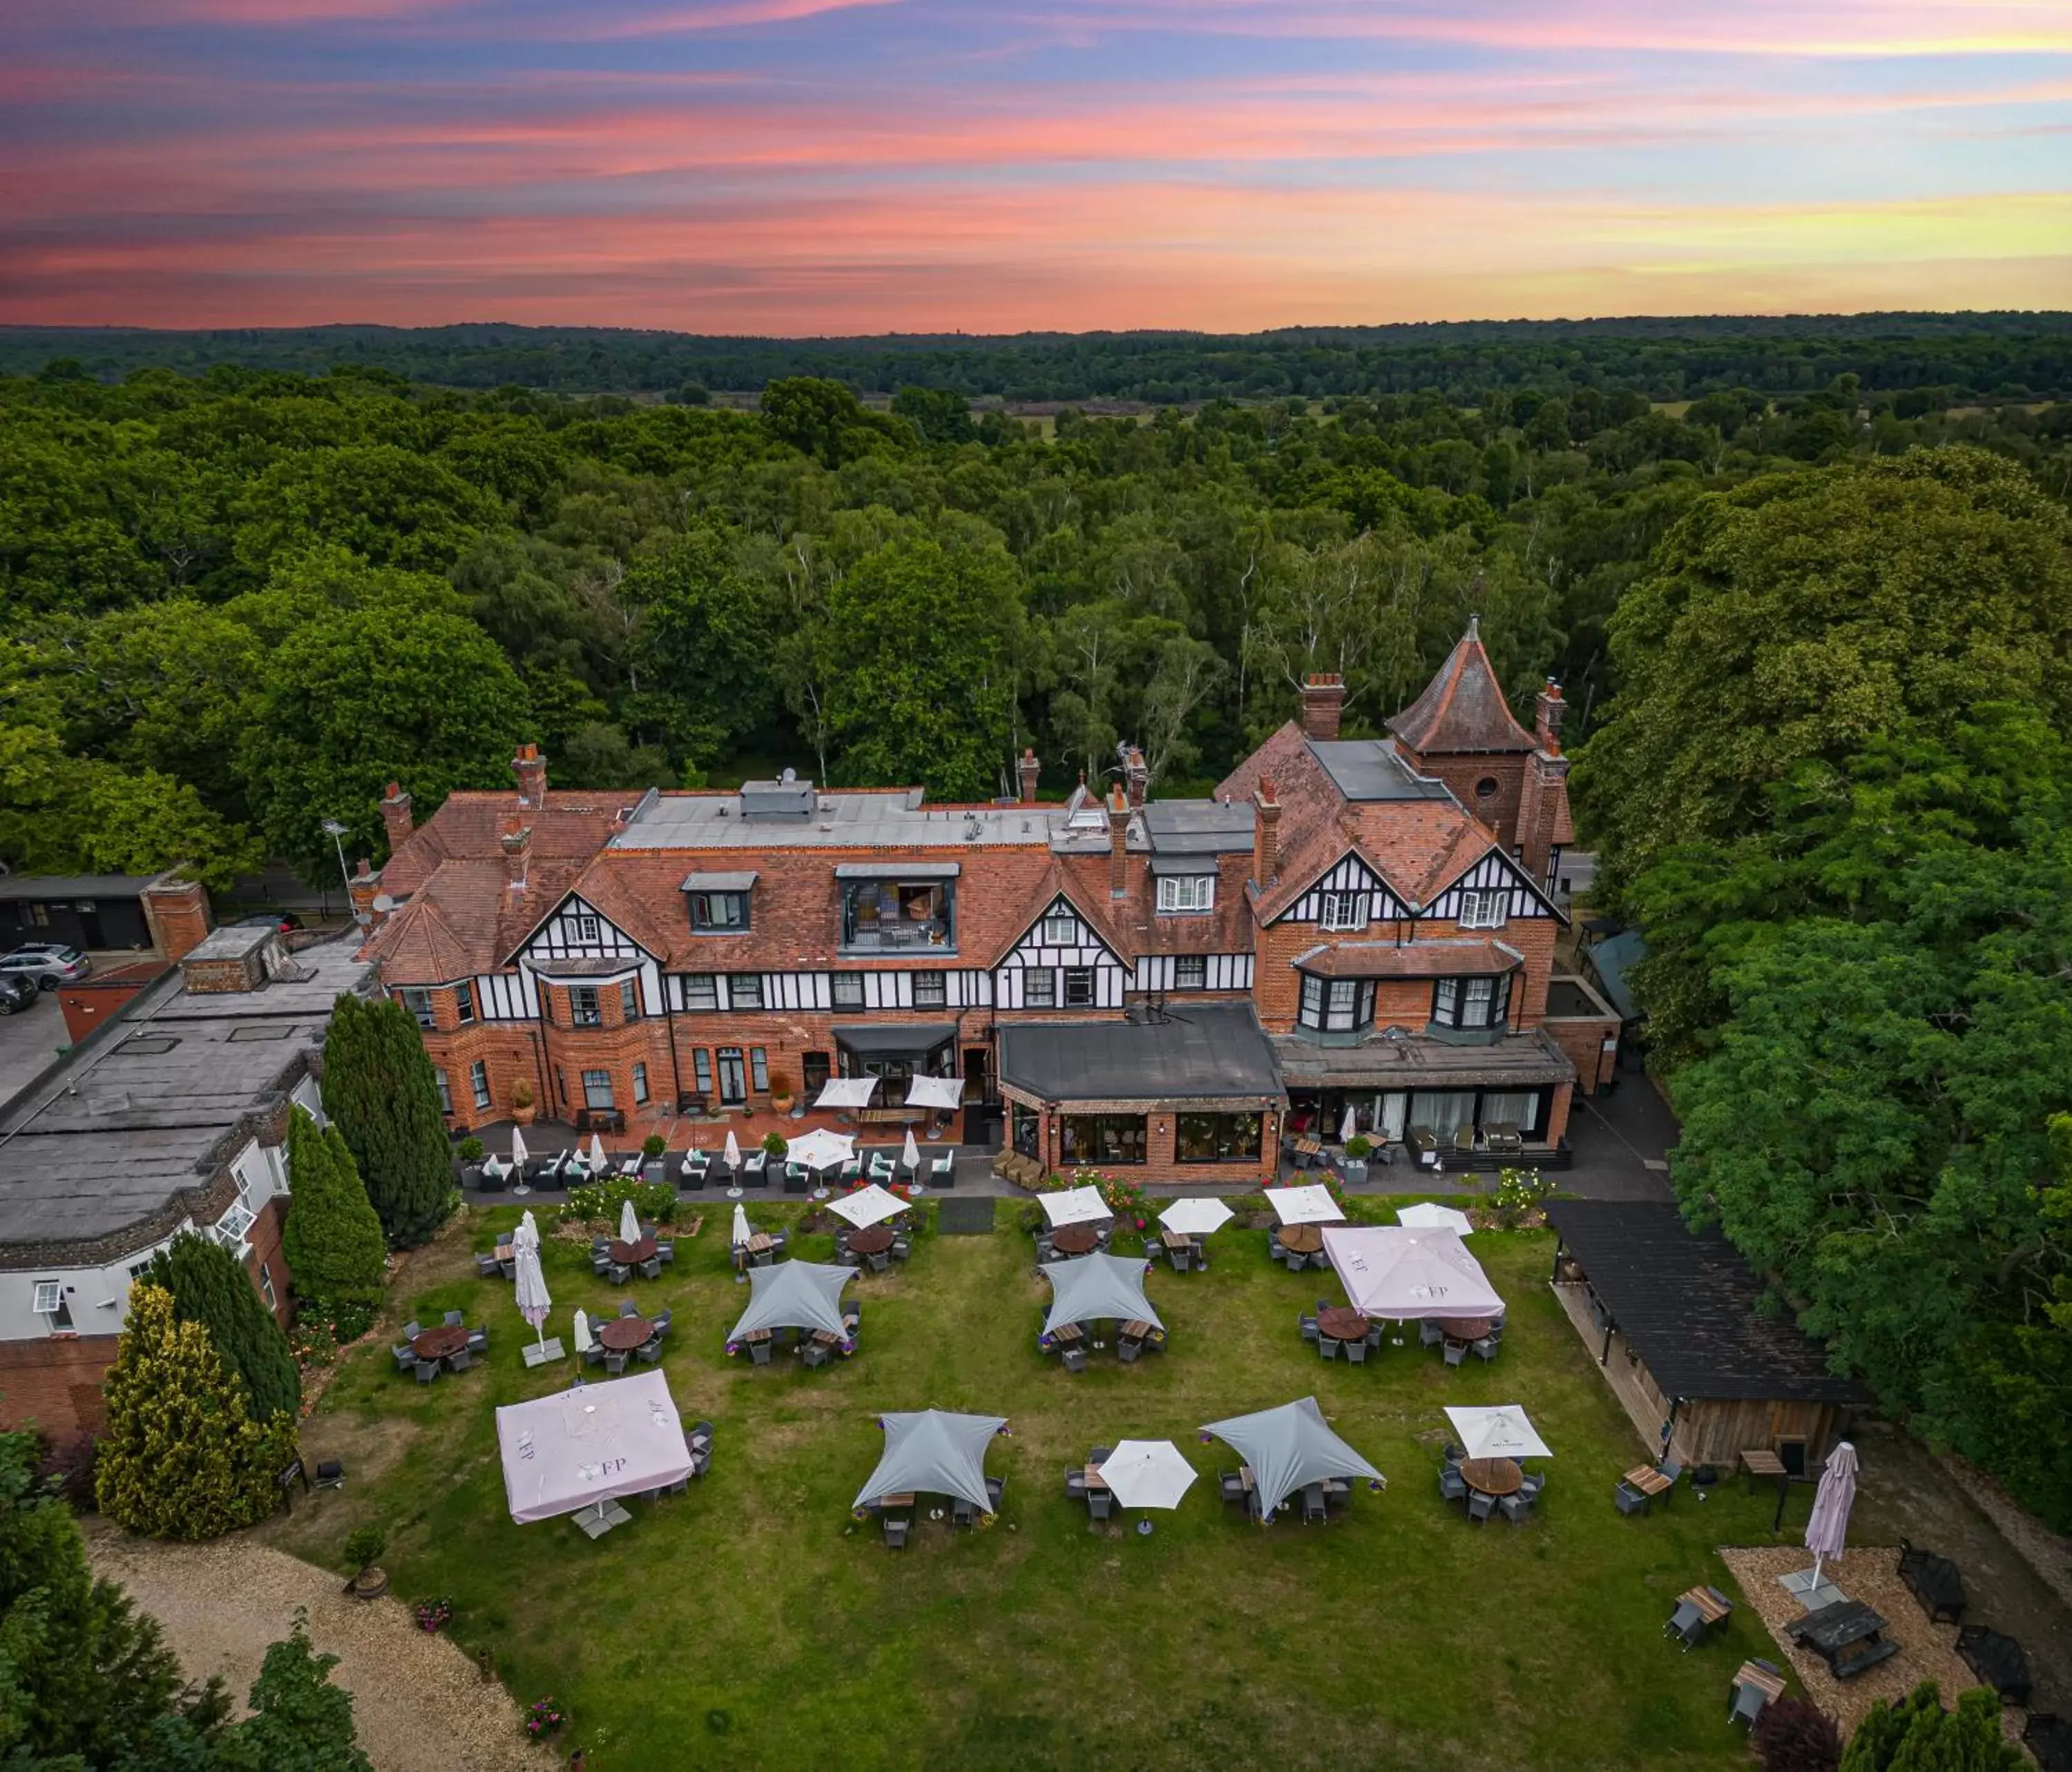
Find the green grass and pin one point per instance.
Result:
(752, 1623)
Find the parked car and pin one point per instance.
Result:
(17, 991)
(48, 964)
(281, 921)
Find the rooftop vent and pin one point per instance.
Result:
(145, 1043)
(261, 1032)
(788, 800)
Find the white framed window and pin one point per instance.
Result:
(700, 990)
(930, 990)
(1061, 929)
(845, 990)
(1039, 988)
(478, 1079)
(744, 990)
(266, 1284)
(1190, 972)
(231, 1228)
(1184, 892)
(50, 1298)
(1344, 910)
(1484, 910)
(597, 1088)
(588, 929)
(446, 1091)
(418, 1001)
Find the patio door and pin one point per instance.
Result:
(733, 1077)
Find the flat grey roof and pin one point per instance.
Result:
(1197, 827)
(717, 882)
(1420, 1062)
(1208, 1051)
(127, 1121)
(840, 820)
(75, 885)
(1366, 769)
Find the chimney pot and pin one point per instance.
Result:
(530, 768)
(1549, 710)
(1323, 703)
(1028, 769)
(516, 841)
(397, 821)
(1137, 773)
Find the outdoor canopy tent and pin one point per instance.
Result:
(1310, 1204)
(846, 1092)
(1289, 1448)
(866, 1205)
(1389, 1272)
(1075, 1205)
(593, 1444)
(929, 1452)
(1195, 1217)
(794, 1295)
(943, 1092)
(1498, 1431)
(1096, 1286)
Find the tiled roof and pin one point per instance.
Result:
(466, 912)
(1412, 960)
(1462, 709)
(575, 823)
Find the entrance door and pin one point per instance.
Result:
(733, 1077)
(90, 935)
(978, 1076)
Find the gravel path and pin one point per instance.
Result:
(420, 1703)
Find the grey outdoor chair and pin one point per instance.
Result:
(651, 1268)
(1515, 1508)
(651, 1350)
(404, 1355)
(1485, 1349)
(852, 1315)
(759, 1352)
(663, 1319)
(413, 1330)
(995, 1488)
(455, 1318)
(1100, 1455)
(1480, 1507)
(1074, 1359)
(478, 1341)
(665, 1253)
(1452, 1485)
(1313, 1513)
(901, 1249)
(815, 1354)
(459, 1360)
(896, 1533)
(617, 1274)
(593, 1354)
(1127, 1350)
(1182, 1260)
(1429, 1333)
(614, 1362)
(1685, 1623)
(1099, 1503)
(1455, 1353)
(1535, 1481)
(487, 1267)
(1356, 1351)
(1629, 1499)
(879, 1262)
(427, 1371)
(1230, 1484)
(1746, 1703)
(962, 1513)
(1327, 1347)
(1307, 1327)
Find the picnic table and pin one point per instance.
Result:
(1498, 1477)
(1301, 1239)
(631, 1255)
(1135, 1330)
(1075, 1240)
(1846, 1635)
(1711, 1609)
(1649, 1481)
(875, 1241)
(1464, 1329)
(439, 1343)
(503, 1255)
(903, 1500)
(1341, 1323)
(623, 1334)
(759, 1244)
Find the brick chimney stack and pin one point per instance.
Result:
(517, 845)
(365, 887)
(1028, 769)
(1323, 701)
(1265, 835)
(176, 912)
(1549, 710)
(396, 819)
(530, 768)
(1118, 844)
(1137, 773)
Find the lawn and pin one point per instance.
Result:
(753, 1623)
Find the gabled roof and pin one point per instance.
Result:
(418, 945)
(574, 823)
(465, 919)
(1462, 710)
(1057, 884)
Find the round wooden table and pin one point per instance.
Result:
(874, 1241)
(436, 1344)
(1303, 1239)
(623, 1334)
(1075, 1240)
(1493, 1476)
(1463, 1329)
(1341, 1323)
(631, 1255)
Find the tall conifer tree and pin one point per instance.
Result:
(333, 1237)
(378, 1086)
(209, 1286)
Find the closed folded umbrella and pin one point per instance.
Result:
(911, 1155)
(741, 1230)
(519, 1153)
(582, 1332)
(629, 1222)
(1827, 1527)
(1147, 1474)
(527, 1235)
(734, 1164)
(596, 1154)
(1349, 1127)
(533, 1300)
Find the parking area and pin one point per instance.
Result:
(29, 1040)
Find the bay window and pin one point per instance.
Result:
(1336, 1006)
(1479, 1002)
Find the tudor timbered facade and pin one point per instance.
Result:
(1358, 939)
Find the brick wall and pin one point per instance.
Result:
(1583, 1040)
(1405, 1002)
(54, 1385)
(1465, 774)
(220, 977)
(93, 1001)
(177, 913)
(1159, 1164)
(265, 1237)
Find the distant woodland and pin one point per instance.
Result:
(1808, 584)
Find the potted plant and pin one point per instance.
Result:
(522, 1109)
(363, 1546)
(651, 1147)
(774, 1145)
(1357, 1149)
(780, 1093)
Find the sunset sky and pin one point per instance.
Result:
(862, 165)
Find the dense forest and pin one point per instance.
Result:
(1818, 647)
(1953, 357)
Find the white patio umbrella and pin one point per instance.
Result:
(1424, 1216)
(1349, 1127)
(1499, 1431)
(818, 1149)
(1147, 1474)
(734, 1165)
(597, 1165)
(741, 1233)
(1827, 1527)
(867, 1206)
(939, 1092)
(583, 1343)
(911, 1155)
(1193, 1217)
(519, 1153)
(629, 1222)
(846, 1092)
(1310, 1204)
(534, 1301)
(1075, 1205)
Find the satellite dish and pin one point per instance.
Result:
(383, 902)
(362, 920)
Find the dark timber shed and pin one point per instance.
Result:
(1673, 1317)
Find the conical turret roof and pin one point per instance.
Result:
(1462, 710)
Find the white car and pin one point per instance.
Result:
(50, 964)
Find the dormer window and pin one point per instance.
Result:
(1484, 910)
(589, 931)
(1182, 892)
(719, 913)
(1344, 910)
(1061, 929)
